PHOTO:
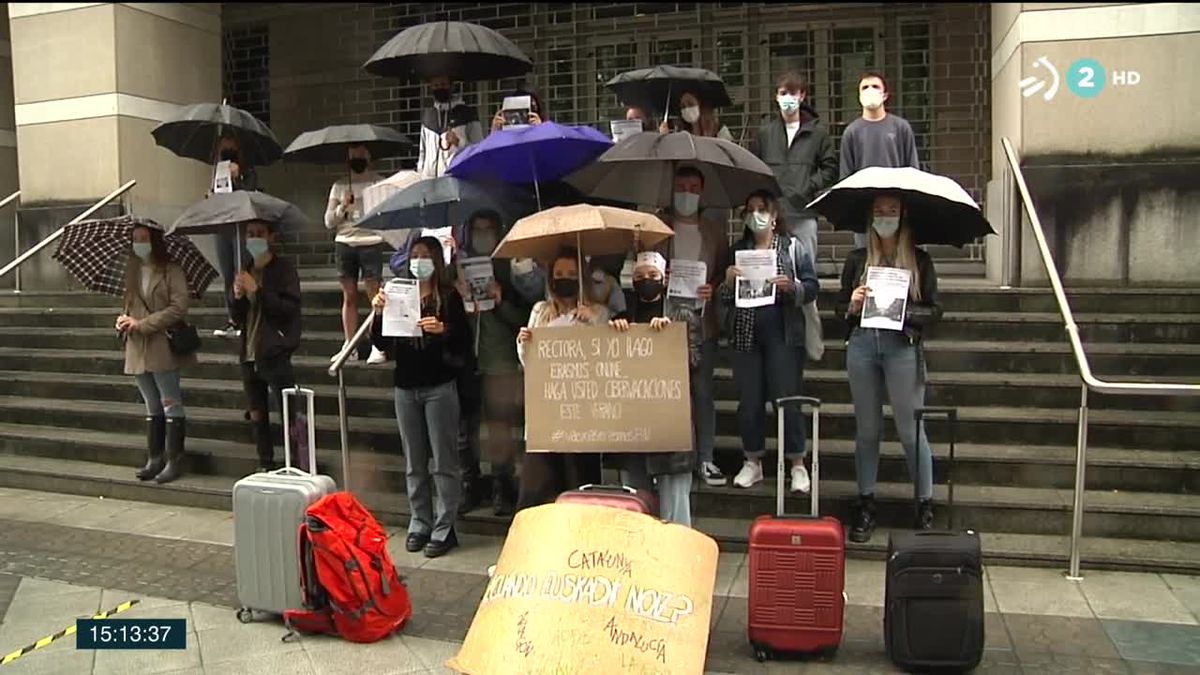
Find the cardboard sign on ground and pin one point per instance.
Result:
(592, 389)
(592, 589)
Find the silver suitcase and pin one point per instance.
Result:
(268, 509)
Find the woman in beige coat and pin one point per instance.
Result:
(156, 299)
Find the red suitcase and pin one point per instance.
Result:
(797, 568)
(616, 496)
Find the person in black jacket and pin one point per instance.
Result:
(882, 361)
(427, 402)
(266, 301)
(798, 148)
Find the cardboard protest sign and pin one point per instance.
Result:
(592, 389)
(593, 589)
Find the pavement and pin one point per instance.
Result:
(63, 557)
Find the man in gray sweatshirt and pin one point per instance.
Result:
(877, 138)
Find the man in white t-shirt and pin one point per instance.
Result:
(359, 252)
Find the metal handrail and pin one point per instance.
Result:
(58, 233)
(335, 370)
(1089, 380)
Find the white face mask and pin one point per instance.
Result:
(886, 226)
(871, 99)
(788, 104)
(686, 204)
(759, 221)
(691, 114)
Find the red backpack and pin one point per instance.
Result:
(351, 586)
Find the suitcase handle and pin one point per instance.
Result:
(780, 406)
(287, 395)
(609, 488)
(951, 415)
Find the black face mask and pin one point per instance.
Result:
(229, 155)
(441, 95)
(567, 289)
(358, 165)
(648, 290)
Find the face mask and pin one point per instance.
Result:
(142, 249)
(229, 155)
(484, 243)
(648, 290)
(421, 268)
(886, 226)
(257, 247)
(686, 204)
(788, 104)
(598, 276)
(441, 95)
(567, 289)
(871, 99)
(358, 165)
(691, 114)
(530, 284)
(522, 266)
(759, 221)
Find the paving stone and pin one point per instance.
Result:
(1137, 597)
(334, 656)
(1065, 664)
(1155, 642)
(1058, 635)
(254, 639)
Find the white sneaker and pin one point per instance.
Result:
(750, 475)
(800, 481)
(376, 357)
(711, 474)
(491, 571)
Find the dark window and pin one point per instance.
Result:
(247, 70)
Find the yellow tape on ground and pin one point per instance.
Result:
(70, 630)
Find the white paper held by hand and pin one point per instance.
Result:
(754, 288)
(887, 300)
(687, 276)
(479, 276)
(403, 308)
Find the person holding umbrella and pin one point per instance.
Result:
(359, 252)
(242, 178)
(768, 342)
(427, 401)
(156, 300)
(447, 128)
(699, 118)
(537, 113)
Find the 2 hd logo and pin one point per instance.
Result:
(1085, 78)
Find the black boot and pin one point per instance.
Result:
(156, 442)
(864, 520)
(504, 493)
(924, 515)
(263, 444)
(176, 432)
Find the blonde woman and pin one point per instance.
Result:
(887, 361)
(544, 475)
(699, 119)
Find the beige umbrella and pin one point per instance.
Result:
(596, 230)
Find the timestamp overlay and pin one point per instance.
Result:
(131, 634)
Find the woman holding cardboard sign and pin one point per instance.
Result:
(427, 408)
(888, 358)
(544, 475)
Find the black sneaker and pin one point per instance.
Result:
(229, 330)
(924, 515)
(711, 475)
(437, 549)
(415, 542)
(864, 520)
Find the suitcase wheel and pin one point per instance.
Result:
(762, 652)
(245, 615)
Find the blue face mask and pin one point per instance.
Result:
(142, 250)
(257, 247)
(421, 268)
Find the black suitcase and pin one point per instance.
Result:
(933, 599)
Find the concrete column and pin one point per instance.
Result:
(1093, 97)
(90, 82)
(8, 146)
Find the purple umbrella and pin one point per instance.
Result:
(542, 152)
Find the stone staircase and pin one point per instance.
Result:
(71, 422)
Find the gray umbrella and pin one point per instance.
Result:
(330, 145)
(641, 170)
(653, 88)
(463, 52)
(195, 131)
(219, 211)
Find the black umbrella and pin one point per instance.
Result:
(653, 88)
(330, 145)
(219, 211)
(938, 209)
(195, 131)
(641, 170)
(463, 52)
(445, 201)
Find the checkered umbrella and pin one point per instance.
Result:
(96, 253)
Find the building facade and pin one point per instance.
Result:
(91, 79)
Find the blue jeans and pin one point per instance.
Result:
(772, 371)
(162, 393)
(879, 363)
(704, 412)
(674, 490)
(428, 421)
(227, 243)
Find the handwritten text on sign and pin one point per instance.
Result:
(592, 389)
